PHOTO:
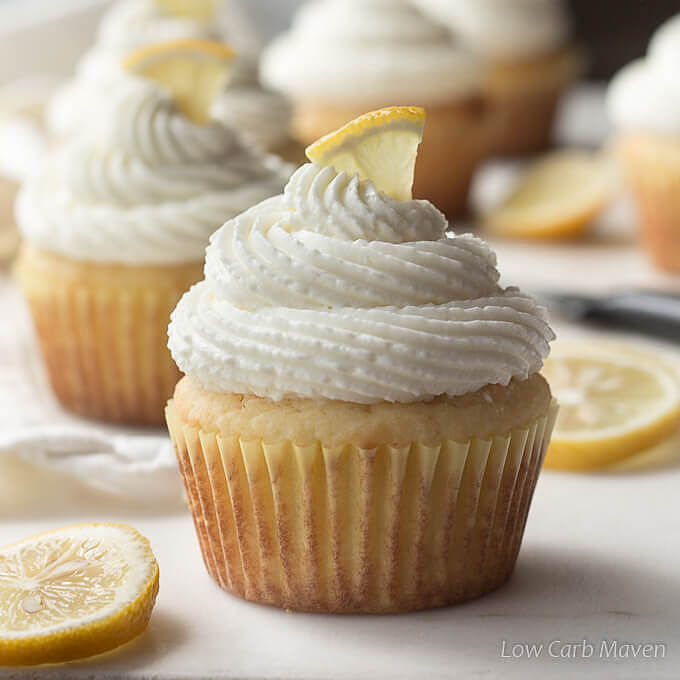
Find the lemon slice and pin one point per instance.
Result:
(193, 70)
(614, 403)
(381, 146)
(199, 10)
(557, 197)
(74, 592)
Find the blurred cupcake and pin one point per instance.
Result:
(362, 421)
(644, 104)
(529, 62)
(116, 223)
(263, 116)
(344, 57)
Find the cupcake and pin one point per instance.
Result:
(344, 57)
(643, 102)
(362, 421)
(528, 62)
(261, 115)
(116, 223)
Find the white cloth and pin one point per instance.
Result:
(132, 464)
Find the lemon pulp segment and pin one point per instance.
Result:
(557, 197)
(194, 71)
(199, 10)
(74, 592)
(613, 405)
(380, 146)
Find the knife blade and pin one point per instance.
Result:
(642, 311)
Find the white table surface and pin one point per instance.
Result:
(599, 561)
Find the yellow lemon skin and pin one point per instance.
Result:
(616, 402)
(557, 198)
(588, 455)
(380, 146)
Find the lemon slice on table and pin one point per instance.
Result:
(199, 10)
(193, 70)
(614, 403)
(74, 592)
(381, 146)
(557, 197)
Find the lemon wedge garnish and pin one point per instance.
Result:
(614, 403)
(193, 70)
(74, 592)
(381, 146)
(557, 197)
(199, 10)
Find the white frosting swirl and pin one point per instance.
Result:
(143, 184)
(263, 117)
(369, 51)
(504, 29)
(644, 95)
(334, 290)
(134, 23)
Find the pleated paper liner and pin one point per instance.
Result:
(103, 332)
(653, 169)
(345, 529)
(525, 95)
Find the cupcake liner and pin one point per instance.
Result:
(345, 529)
(457, 136)
(103, 334)
(653, 169)
(524, 96)
(523, 122)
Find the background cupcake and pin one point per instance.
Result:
(116, 223)
(130, 24)
(528, 62)
(644, 104)
(362, 422)
(344, 57)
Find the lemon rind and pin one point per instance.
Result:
(88, 637)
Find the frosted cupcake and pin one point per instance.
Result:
(529, 61)
(344, 57)
(116, 224)
(644, 104)
(261, 115)
(362, 420)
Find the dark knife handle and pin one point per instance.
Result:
(641, 311)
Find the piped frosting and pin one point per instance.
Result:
(334, 290)
(143, 184)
